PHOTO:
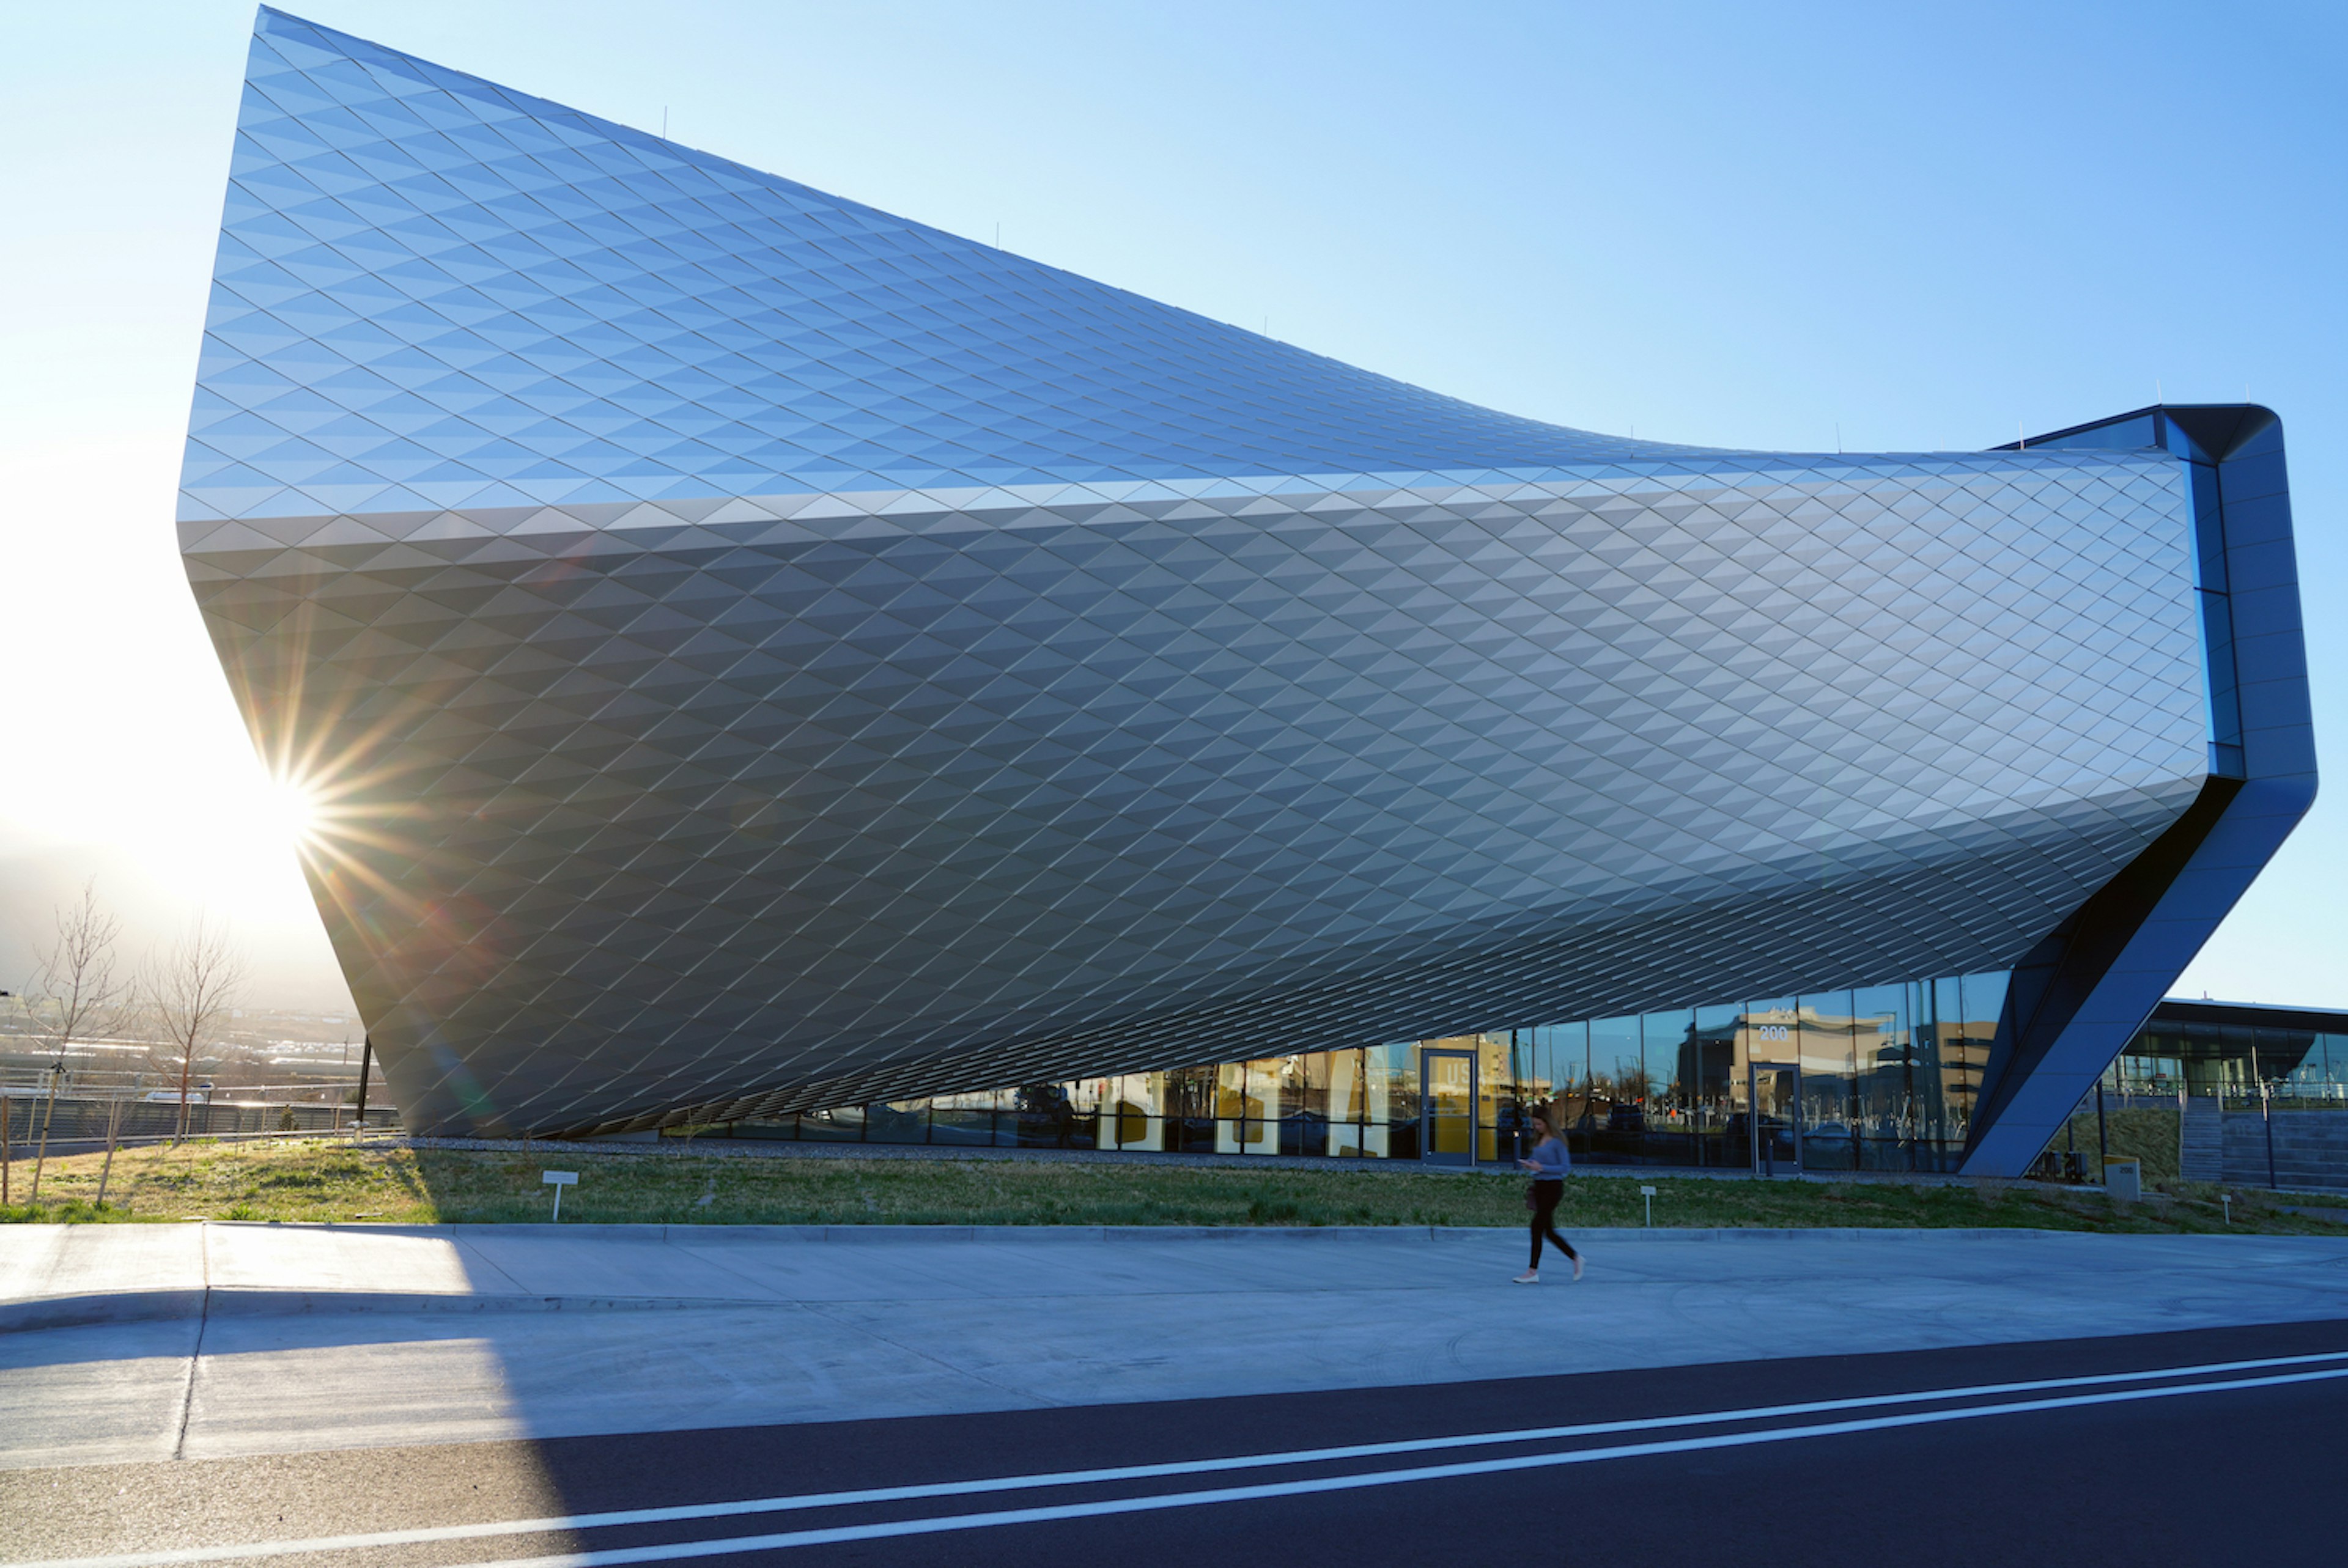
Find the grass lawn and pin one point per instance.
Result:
(320, 1179)
(2148, 1136)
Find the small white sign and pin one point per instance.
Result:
(1646, 1192)
(559, 1180)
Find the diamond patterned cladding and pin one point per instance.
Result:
(779, 654)
(433, 293)
(923, 782)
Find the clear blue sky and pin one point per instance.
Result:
(1899, 227)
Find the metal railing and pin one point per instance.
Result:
(2284, 1095)
(84, 1118)
(2234, 1095)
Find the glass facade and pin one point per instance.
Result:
(2232, 1058)
(1882, 1077)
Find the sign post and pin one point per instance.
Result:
(559, 1180)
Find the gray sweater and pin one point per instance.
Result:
(1550, 1159)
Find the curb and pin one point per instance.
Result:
(170, 1305)
(83, 1311)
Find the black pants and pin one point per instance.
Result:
(1546, 1197)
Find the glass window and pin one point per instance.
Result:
(1668, 1039)
(1514, 1095)
(1263, 1107)
(1710, 1102)
(845, 1126)
(1394, 1098)
(2334, 1051)
(1247, 1107)
(967, 1118)
(1494, 1089)
(1823, 1034)
(1771, 1032)
(1984, 1003)
(2236, 1041)
(1349, 1106)
(1945, 1091)
(1616, 1107)
(1563, 1053)
(1967, 1035)
(1304, 1103)
(901, 1122)
(1046, 1117)
(1190, 1107)
(1669, 1042)
(2279, 1052)
(1132, 1112)
(1885, 1083)
(1527, 1075)
(774, 1129)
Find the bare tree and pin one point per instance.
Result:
(194, 986)
(77, 995)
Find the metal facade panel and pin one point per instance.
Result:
(765, 653)
(2106, 982)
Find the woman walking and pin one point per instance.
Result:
(1549, 1163)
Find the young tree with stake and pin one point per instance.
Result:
(194, 986)
(77, 995)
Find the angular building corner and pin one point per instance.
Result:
(761, 655)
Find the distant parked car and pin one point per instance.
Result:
(1831, 1145)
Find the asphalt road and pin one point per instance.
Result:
(2215, 1446)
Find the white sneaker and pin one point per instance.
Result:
(1529, 1276)
(1577, 1268)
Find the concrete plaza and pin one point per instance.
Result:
(130, 1343)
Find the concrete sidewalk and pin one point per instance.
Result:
(140, 1342)
(54, 1276)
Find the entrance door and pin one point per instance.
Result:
(1447, 1100)
(1777, 1116)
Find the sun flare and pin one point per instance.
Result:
(293, 808)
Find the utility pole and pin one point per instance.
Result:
(366, 1060)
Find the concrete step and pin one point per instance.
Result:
(2298, 1160)
(2201, 1140)
(2310, 1148)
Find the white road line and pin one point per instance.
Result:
(728, 1547)
(172, 1557)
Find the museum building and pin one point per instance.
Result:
(771, 665)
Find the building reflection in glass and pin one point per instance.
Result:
(2235, 1049)
(1882, 1077)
